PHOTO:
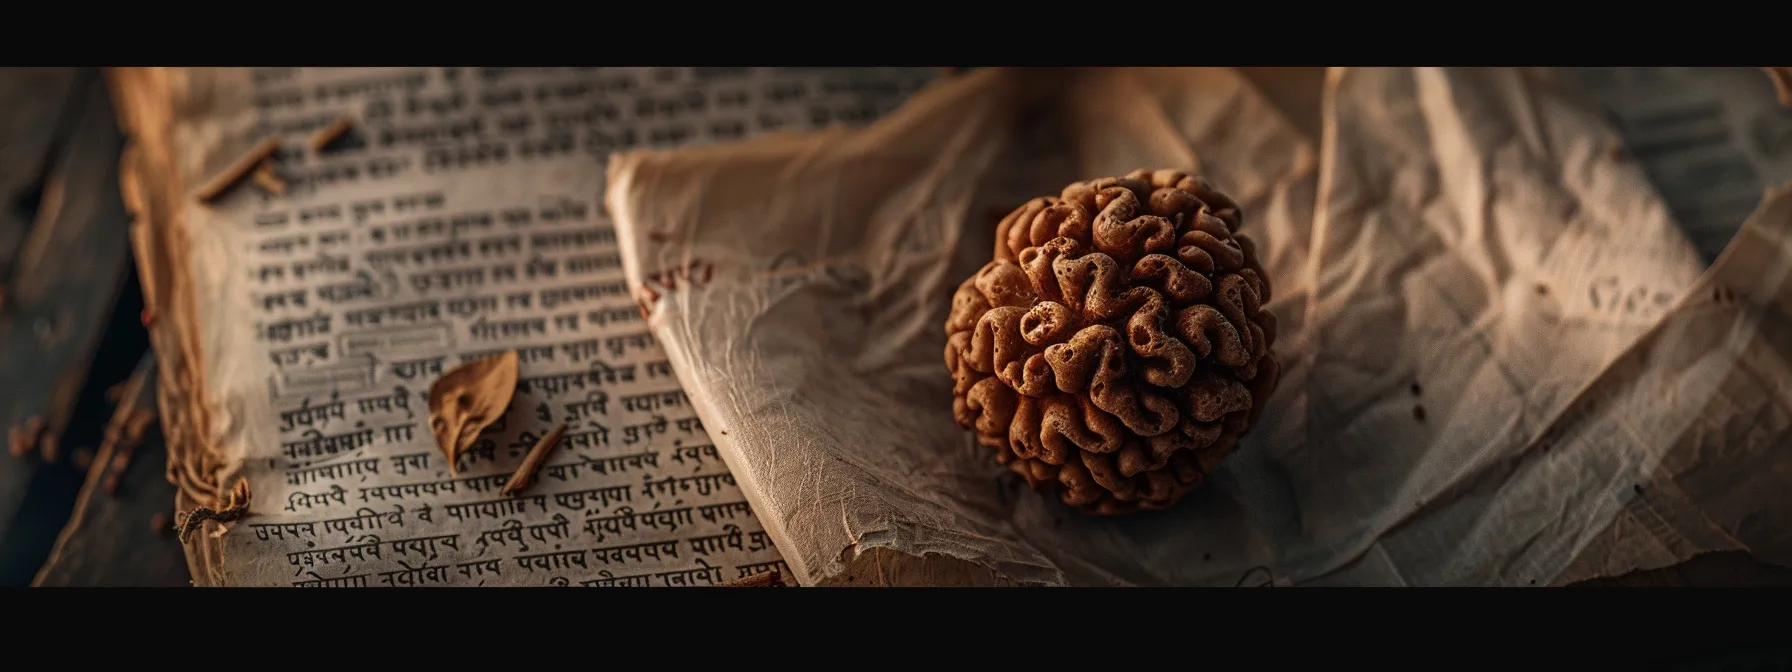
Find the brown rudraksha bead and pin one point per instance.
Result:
(1117, 346)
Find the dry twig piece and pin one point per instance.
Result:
(1782, 83)
(466, 400)
(268, 180)
(525, 474)
(328, 135)
(235, 505)
(237, 170)
(767, 579)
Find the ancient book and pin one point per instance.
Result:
(318, 245)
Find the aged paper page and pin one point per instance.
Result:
(462, 217)
(1481, 258)
(1712, 139)
(1699, 415)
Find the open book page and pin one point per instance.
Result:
(462, 217)
(1480, 259)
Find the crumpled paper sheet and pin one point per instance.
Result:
(1469, 227)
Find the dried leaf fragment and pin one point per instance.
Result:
(466, 400)
(525, 474)
(235, 505)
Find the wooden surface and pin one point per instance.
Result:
(124, 537)
(63, 267)
(64, 254)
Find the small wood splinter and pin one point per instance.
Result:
(268, 180)
(235, 505)
(1782, 83)
(328, 135)
(525, 474)
(237, 170)
(771, 579)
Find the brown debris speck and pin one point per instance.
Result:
(525, 474)
(123, 435)
(1782, 83)
(1415, 389)
(1542, 290)
(49, 448)
(23, 438)
(16, 443)
(1418, 412)
(115, 472)
(161, 524)
(82, 458)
